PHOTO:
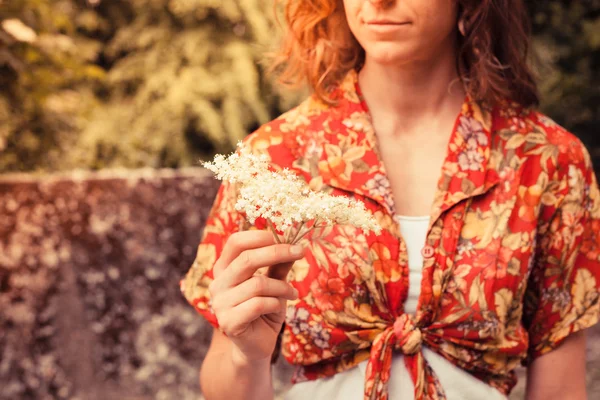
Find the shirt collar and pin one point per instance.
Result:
(350, 159)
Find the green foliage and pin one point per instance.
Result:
(156, 83)
(47, 75)
(567, 40)
(163, 83)
(184, 80)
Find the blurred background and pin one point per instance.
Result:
(106, 108)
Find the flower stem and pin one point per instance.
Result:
(297, 232)
(275, 234)
(296, 240)
(316, 221)
(298, 237)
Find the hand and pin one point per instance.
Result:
(251, 308)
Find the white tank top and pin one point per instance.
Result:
(349, 385)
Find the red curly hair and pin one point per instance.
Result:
(318, 48)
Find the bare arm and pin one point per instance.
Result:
(559, 374)
(250, 310)
(225, 375)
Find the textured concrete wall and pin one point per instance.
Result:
(89, 300)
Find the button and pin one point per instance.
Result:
(427, 251)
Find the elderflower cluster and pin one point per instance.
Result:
(284, 199)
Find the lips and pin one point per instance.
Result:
(385, 22)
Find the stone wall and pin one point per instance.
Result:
(89, 299)
(89, 265)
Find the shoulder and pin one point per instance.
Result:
(287, 138)
(301, 132)
(571, 155)
(535, 137)
(558, 161)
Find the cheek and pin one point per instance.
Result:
(438, 18)
(352, 11)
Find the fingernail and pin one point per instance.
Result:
(296, 293)
(296, 250)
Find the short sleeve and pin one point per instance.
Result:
(562, 294)
(223, 220)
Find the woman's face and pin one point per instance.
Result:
(402, 31)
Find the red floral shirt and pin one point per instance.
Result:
(511, 261)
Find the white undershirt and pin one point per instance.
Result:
(348, 385)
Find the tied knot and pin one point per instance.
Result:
(409, 337)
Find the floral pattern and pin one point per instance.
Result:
(515, 266)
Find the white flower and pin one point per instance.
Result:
(284, 199)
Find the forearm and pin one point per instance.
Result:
(559, 374)
(559, 391)
(563, 396)
(224, 377)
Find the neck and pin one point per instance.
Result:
(405, 94)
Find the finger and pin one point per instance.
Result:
(280, 271)
(239, 242)
(249, 261)
(249, 311)
(256, 286)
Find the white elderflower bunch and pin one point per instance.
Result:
(283, 199)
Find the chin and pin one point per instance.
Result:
(391, 53)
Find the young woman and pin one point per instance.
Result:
(488, 258)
